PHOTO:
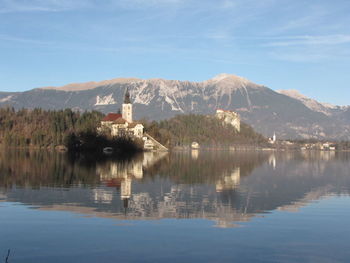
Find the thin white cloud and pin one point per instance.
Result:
(155, 2)
(305, 57)
(23, 40)
(314, 19)
(18, 6)
(132, 4)
(311, 41)
(316, 49)
(228, 4)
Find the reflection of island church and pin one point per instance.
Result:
(122, 124)
(120, 175)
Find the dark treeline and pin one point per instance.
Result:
(44, 128)
(182, 130)
(91, 142)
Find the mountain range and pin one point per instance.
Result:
(286, 112)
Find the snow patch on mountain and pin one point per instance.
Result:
(105, 100)
(143, 98)
(8, 98)
(173, 103)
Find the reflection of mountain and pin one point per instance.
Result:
(220, 186)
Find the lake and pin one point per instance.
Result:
(199, 206)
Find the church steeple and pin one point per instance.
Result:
(127, 99)
(127, 107)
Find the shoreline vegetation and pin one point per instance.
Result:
(76, 132)
(63, 130)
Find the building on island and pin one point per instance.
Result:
(229, 117)
(273, 139)
(122, 124)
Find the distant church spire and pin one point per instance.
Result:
(127, 107)
(127, 99)
(274, 138)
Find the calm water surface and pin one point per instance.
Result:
(180, 207)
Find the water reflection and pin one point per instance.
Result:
(120, 176)
(224, 187)
(230, 181)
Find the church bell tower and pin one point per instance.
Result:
(127, 107)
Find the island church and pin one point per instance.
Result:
(121, 125)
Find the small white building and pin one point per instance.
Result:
(273, 139)
(229, 117)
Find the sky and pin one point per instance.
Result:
(282, 44)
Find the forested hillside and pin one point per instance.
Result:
(44, 128)
(182, 130)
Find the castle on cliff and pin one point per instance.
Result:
(229, 117)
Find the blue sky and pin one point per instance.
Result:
(283, 44)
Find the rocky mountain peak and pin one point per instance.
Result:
(227, 83)
(228, 77)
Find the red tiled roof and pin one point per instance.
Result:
(117, 182)
(112, 117)
(120, 121)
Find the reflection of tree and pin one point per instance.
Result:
(25, 168)
(211, 167)
(34, 168)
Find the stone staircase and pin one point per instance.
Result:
(157, 145)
